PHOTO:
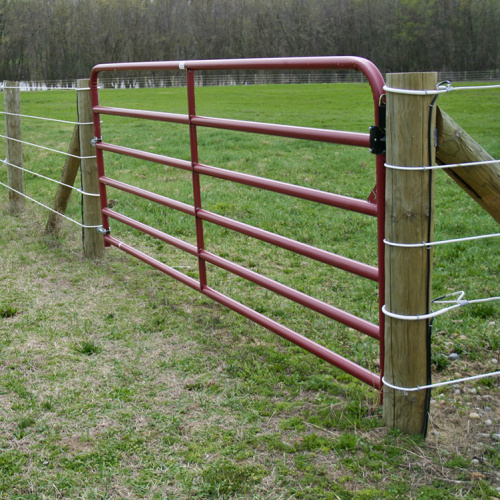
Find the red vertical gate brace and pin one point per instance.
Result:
(196, 178)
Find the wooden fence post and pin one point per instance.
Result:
(15, 178)
(409, 219)
(93, 243)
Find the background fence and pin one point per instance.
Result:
(170, 79)
(79, 154)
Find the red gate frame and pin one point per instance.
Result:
(374, 207)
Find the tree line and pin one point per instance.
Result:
(64, 39)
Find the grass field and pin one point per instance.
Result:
(118, 382)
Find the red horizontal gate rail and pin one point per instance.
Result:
(373, 207)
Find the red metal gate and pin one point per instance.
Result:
(373, 207)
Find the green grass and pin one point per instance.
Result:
(118, 382)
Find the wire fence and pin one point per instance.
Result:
(171, 79)
(458, 302)
(32, 172)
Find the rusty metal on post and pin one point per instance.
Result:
(409, 219)
(93, 244)
(15, 179)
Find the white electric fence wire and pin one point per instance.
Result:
(443, 242)
(47, 149)
(441, 167)
(52, 88)
(442, 89)
(459, 302)
(48, 208)
(5, 162)
(438, 384)
(46, 119)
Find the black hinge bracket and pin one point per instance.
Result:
(377, 133)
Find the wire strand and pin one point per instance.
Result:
(442, 167)
(48, 208)
(442, 242)
(460, 302)
(438, 384)
(48, 88)
(46, 119)
(442, 90)
(5, 162)
(47, 149)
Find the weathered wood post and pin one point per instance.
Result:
(481, 182)
(15, 178)
(409, 219)
(68, 176)
(93, 243)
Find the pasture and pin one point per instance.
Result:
(118, 382)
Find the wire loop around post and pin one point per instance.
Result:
(460, 302)
(438, 384)
(439, 90)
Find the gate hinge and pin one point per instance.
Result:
(377, 140)
(95, 140)
(102, 230)
(377, 132)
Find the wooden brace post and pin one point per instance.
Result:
(481, 182)
(68, 177)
